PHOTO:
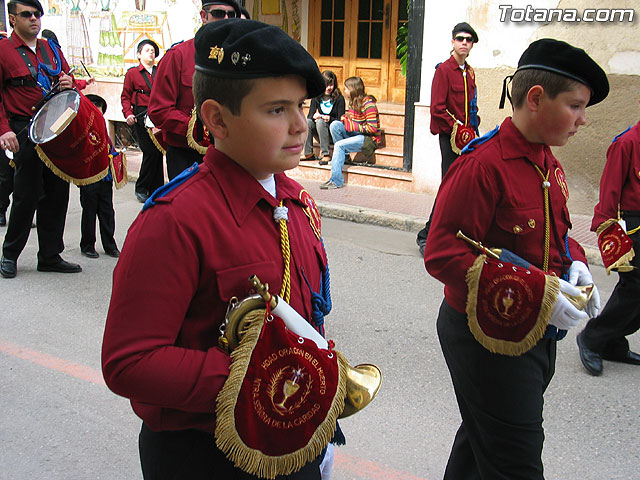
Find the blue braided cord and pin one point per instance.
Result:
(43, 80)
(553, 331)
(473, 112)
(565, 275)
(471, 146)
(326, 284)
(320, 301)
(174, 183)
(620, 134)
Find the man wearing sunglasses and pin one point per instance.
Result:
(453, 101)
(28, 67)
(171, 101)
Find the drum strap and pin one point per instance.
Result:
(33, 70)
(145, 76)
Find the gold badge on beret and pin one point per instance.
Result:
(216, 53)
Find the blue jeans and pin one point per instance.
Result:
(343, 142)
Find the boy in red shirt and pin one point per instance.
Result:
(200, 237)
(500, 320)
(604, 335)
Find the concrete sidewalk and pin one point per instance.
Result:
(387, 208)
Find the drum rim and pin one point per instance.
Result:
(36, 116)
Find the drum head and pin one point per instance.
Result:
(54, 116)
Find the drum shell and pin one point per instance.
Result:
(80, 153)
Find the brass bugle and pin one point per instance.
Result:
(578, 301)
(363, 381)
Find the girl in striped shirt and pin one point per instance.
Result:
(349, 134)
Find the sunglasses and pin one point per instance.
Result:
(219, 13)
(461, 39)
(28, 14)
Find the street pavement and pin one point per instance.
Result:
(59, 421)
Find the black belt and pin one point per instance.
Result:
(22, 82)
(19, 118)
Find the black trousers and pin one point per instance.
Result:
(193, 455)
(97, 201)
(448, 157)
(500, 400)
(178, 159)
(151, 174)
(35, 189)
(6, 181)
(606, 333)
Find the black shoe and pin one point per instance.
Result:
(113, 252)
(90, 253)
(3, 219)
(8, 268)
(591, 360)
(309, 157)
(629, 357)
(142, 197)
(60, 267)
(323, 162)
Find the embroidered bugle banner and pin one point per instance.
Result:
(508, 307)
(279, 406)
(616, 247)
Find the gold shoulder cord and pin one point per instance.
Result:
(547, 226)
(285, 293)
(466, 98)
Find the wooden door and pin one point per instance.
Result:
(358, 38)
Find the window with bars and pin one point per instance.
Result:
(332, 28)
(370, 25)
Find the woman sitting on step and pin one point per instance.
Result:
(358, 129)
(324, 109)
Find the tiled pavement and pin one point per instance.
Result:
(394, 209)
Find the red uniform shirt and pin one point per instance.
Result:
(18, 100)
(494, 195)
(181, 263)
(172, 99)
(620, 182)
(135, 90)
(447, 93)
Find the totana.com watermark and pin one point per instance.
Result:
(547, 15)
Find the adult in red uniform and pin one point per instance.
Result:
(604, 336)
(36, 188)
(135, 99)
(171, 100)
(509, 191)
(215, 224)
(454, 90)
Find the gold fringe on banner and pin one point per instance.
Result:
(228, 440)
(506, 347)
(155, 141)
(67, 178)
(125, 174)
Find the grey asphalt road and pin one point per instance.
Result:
(59, 421)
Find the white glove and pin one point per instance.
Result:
(564, 315)
(579, 274)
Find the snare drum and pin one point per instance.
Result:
(71, 138)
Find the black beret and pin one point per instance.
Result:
(98, 101)
(146, 41)
(465, 27)
(238, 48)
(30, 3)
(559, 57)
